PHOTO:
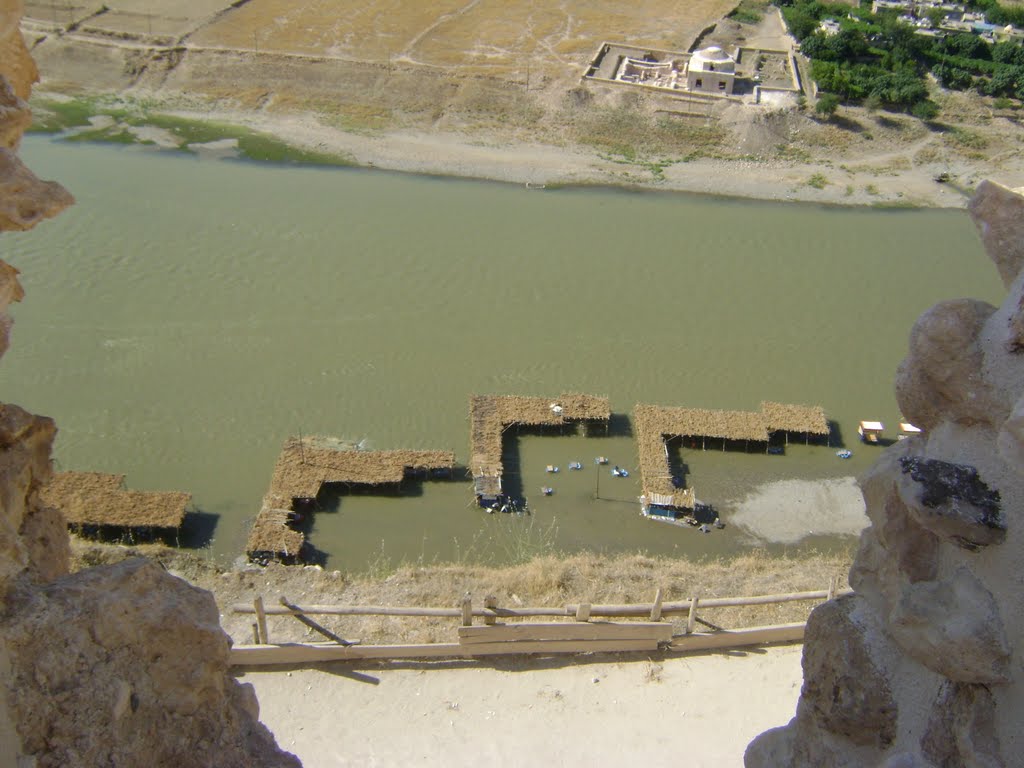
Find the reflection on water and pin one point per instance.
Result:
(186, 316)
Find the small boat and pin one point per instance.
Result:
(547, 490)
(776, 450)
(705, 528)
(575, 465)
(601, 460)
(844, 454)
(617, 472)
(551, 469)
(718, 524)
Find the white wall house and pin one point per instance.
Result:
(711, 70)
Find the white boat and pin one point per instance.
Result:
(844, 454)
(575, 465)
(617, 472)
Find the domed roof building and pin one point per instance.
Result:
(711, 70)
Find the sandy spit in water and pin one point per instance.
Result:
(786, 511)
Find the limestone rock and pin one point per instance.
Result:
(962, 728)
(1011, 438)
(15, 116)
(126, 664)
(953, 627)
(845, 690)
(25, 442)
(952, 501)
(15, 62)
(24, 199)
(998, 213)
(942, 377)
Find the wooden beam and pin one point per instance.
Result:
(656, 607)
(490, 602)
(636, 630)
(312, 624)
(638, 610)
(261, 619)
(311, 653)
(734, 638)
(693, 614)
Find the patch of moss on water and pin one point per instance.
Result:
(56, 116)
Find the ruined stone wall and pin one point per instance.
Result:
(922, 665)
(116, 666)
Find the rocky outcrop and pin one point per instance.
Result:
(921, 666)
(122, 665)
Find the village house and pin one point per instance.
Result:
(711, 70)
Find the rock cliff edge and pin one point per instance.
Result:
(921, 666)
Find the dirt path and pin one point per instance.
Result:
(696, 710)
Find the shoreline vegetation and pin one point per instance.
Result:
(548, 579)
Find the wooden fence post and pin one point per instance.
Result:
(583, 612)
(490, 602)
(261, 620)
(831, 587)
(656, 608)
(255, 633)
(467, 610)
(692, 618)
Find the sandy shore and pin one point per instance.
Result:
(786, 511)
(498, 158)
(695, 710)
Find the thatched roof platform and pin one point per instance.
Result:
(491, 415)
(306, 464)
(653, 424)
(98, 499)
(800, 419)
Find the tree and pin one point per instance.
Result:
(827, 105)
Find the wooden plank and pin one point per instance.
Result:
(261, 618)
(314, 653)
(560, 646)
(692, 618)
(660, 631)
(316, 627)
(490, 602)
(656, 607)
(640, 610)
(734, 638)
(311, 653)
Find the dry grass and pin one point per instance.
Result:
(547, 581)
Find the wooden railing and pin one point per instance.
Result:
(577, 633)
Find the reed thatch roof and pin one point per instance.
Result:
(306, 464)
(491, 415)
(95, 498)
(809, 419)
(652, 424)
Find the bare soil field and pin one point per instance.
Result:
(493, 89)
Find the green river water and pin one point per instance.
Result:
(187, 315)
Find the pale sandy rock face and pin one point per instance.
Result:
(937, 615)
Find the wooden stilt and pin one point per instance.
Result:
(656, 608)
(692, 618)
(261, 619)
(467, 610)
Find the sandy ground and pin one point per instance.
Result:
(694, 710)
(786, 511)
(502, 159)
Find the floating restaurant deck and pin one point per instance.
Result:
(96, 499)
(305, 465)
(491, 415)
(653, 425)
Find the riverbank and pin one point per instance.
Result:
(888, 178)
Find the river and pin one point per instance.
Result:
(187, 315)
